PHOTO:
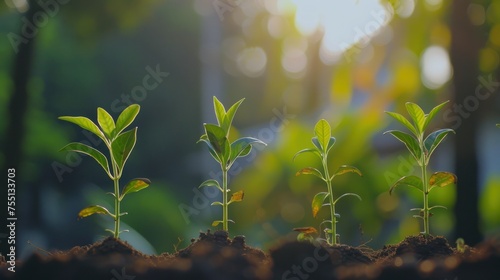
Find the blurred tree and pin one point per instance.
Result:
(467, 40)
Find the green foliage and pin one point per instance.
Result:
(323, 143)
(421, 149)
(120, 145)
(225, 153)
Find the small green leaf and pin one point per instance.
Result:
(401, 119)
(317, 202)
(220, 111)
(434, 139)
(314, 151)
(211, 183)
(316, 143)
(330, 144)
(236, 197)
(85, 123)
(217, 203)
(94, 209)
(442, 179)
(323, 132)
(126, 118)
(310, 171)
(347, 169)
(95, 154)
(410, 142)
(135, 185)
(438, 206)
(242, 147)
(106, 122)
(417, 114)
(122, 147)
(211, 149)
(432, 114)
(346, 194)
(216, 223)
(228, 119)
(498, 124)
(217, 137)
(410, 181)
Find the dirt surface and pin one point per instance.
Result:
(218, 257)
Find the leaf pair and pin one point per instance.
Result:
(216, 136)
(118, 142)
(419, 148)
(134, 185)
(438, 179)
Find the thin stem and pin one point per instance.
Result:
(224, 200)
(426, 200)
(117, 207)
(332, 206)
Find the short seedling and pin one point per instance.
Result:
(225, 153)
(323, 143)
(120, 145)
(421, 149)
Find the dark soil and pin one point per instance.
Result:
(218, 257)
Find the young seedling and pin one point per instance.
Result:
(421, 149)
(225, 153)
(323, 143)
(120, 145)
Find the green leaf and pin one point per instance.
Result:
(347, 169)
(316, 143)
(317, 202)
(432, 114)
(216, 203)
(314, 151)
(438, 206)
(122, 147)
(498, 124)
(135, 185)
(94, 209)
(434, 139)
(85, 123)
(126, 118)
(442, 179)
(106, 122)
(228, 119)
(323, 132)
(403, 121)
(330, 144)
(236, 197)
(217, 137)
(220, 111)
(344, 195)
(310, 171)
(211, 183)
(204, 138)
(410, 181)
(242, 147)
(95, 154)
(410, 142)
(417, 115)
(216, 223)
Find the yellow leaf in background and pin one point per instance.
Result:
(406, 77)
(488, 60)
(341, 88)
(441, 35)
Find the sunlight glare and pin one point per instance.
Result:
(344, 23)
(436, 67)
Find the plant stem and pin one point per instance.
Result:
(224, 200)
(332, 206)
(426, 200)
(117, 207)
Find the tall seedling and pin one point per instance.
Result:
(225, 153)
(421, 149)
(323, 143)
(120, 145)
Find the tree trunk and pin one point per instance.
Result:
(465, 46)
(16, 112)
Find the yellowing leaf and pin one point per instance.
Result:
(237, 196)
(317, 202)
(306, 230)
(94, 209)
